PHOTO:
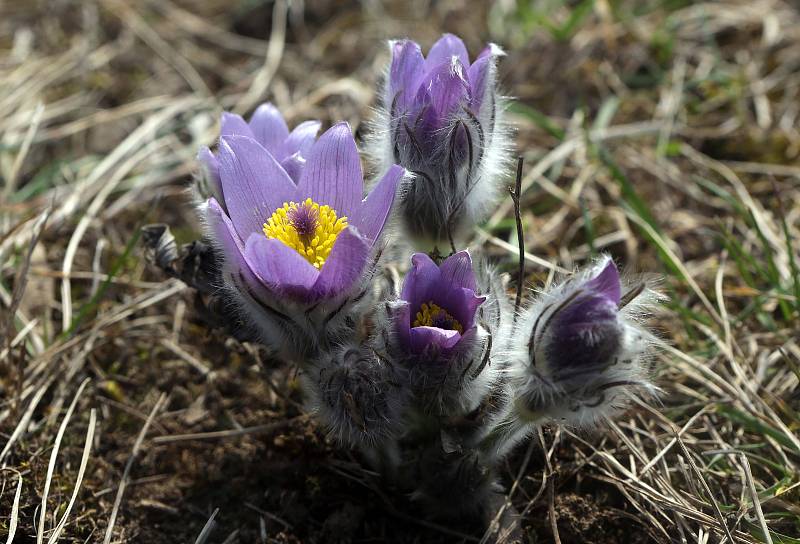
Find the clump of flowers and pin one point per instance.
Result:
(434, 376)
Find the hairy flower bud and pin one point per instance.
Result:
(441, 121)
(585, 353)
(358, 394)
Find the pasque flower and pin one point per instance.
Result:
(268, 128)
(438, 305)
(585, 349)
(306, 241)
(440, 121)
(585, 329)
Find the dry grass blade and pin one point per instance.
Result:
(11, 182)
(709, 494)
(87, 450)
(22, 425)
(53, 457)
(14, 517)
(205, 534)
(751, 486)
(232, 433)
(22, 277)
(129, 466)
(273, 57)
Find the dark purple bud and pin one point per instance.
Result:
(583, 329)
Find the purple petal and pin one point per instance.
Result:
(606, 283)
(421, 282)
(234, 125)
(344, 264)
(444, 49)
(426, 122)
(457, 271)
(294, 164)
(461, 304)
(425, 338)
(210, 166)
(301, 138)
(376, 207)
(280, 267)
(478, 75)
(269, 129)
(447, 86)
(254, 183)
(225, 232)
(229, 242)
(332, 174)
(405, 72)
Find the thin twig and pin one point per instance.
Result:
(516, 193)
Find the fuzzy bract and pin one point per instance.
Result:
(303, 241)
(358, 394)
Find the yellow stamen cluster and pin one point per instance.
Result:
(432, 315)
(314, 246)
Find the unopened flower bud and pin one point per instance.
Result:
(441, 121)
(586, 353)
(358, 394)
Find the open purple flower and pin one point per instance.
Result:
(268, 128)
(441, 113)
(438, 304)
(307, 241)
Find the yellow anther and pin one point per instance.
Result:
(308, 228)
(432, 315)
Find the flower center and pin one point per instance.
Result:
(308, 228)
(432, 315)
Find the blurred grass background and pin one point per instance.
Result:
(664, 132)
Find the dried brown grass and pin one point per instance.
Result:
(663, 132)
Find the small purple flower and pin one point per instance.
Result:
(438, 304)
(441, 113)
(585, 330)
(308, 240)
(268, 128)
